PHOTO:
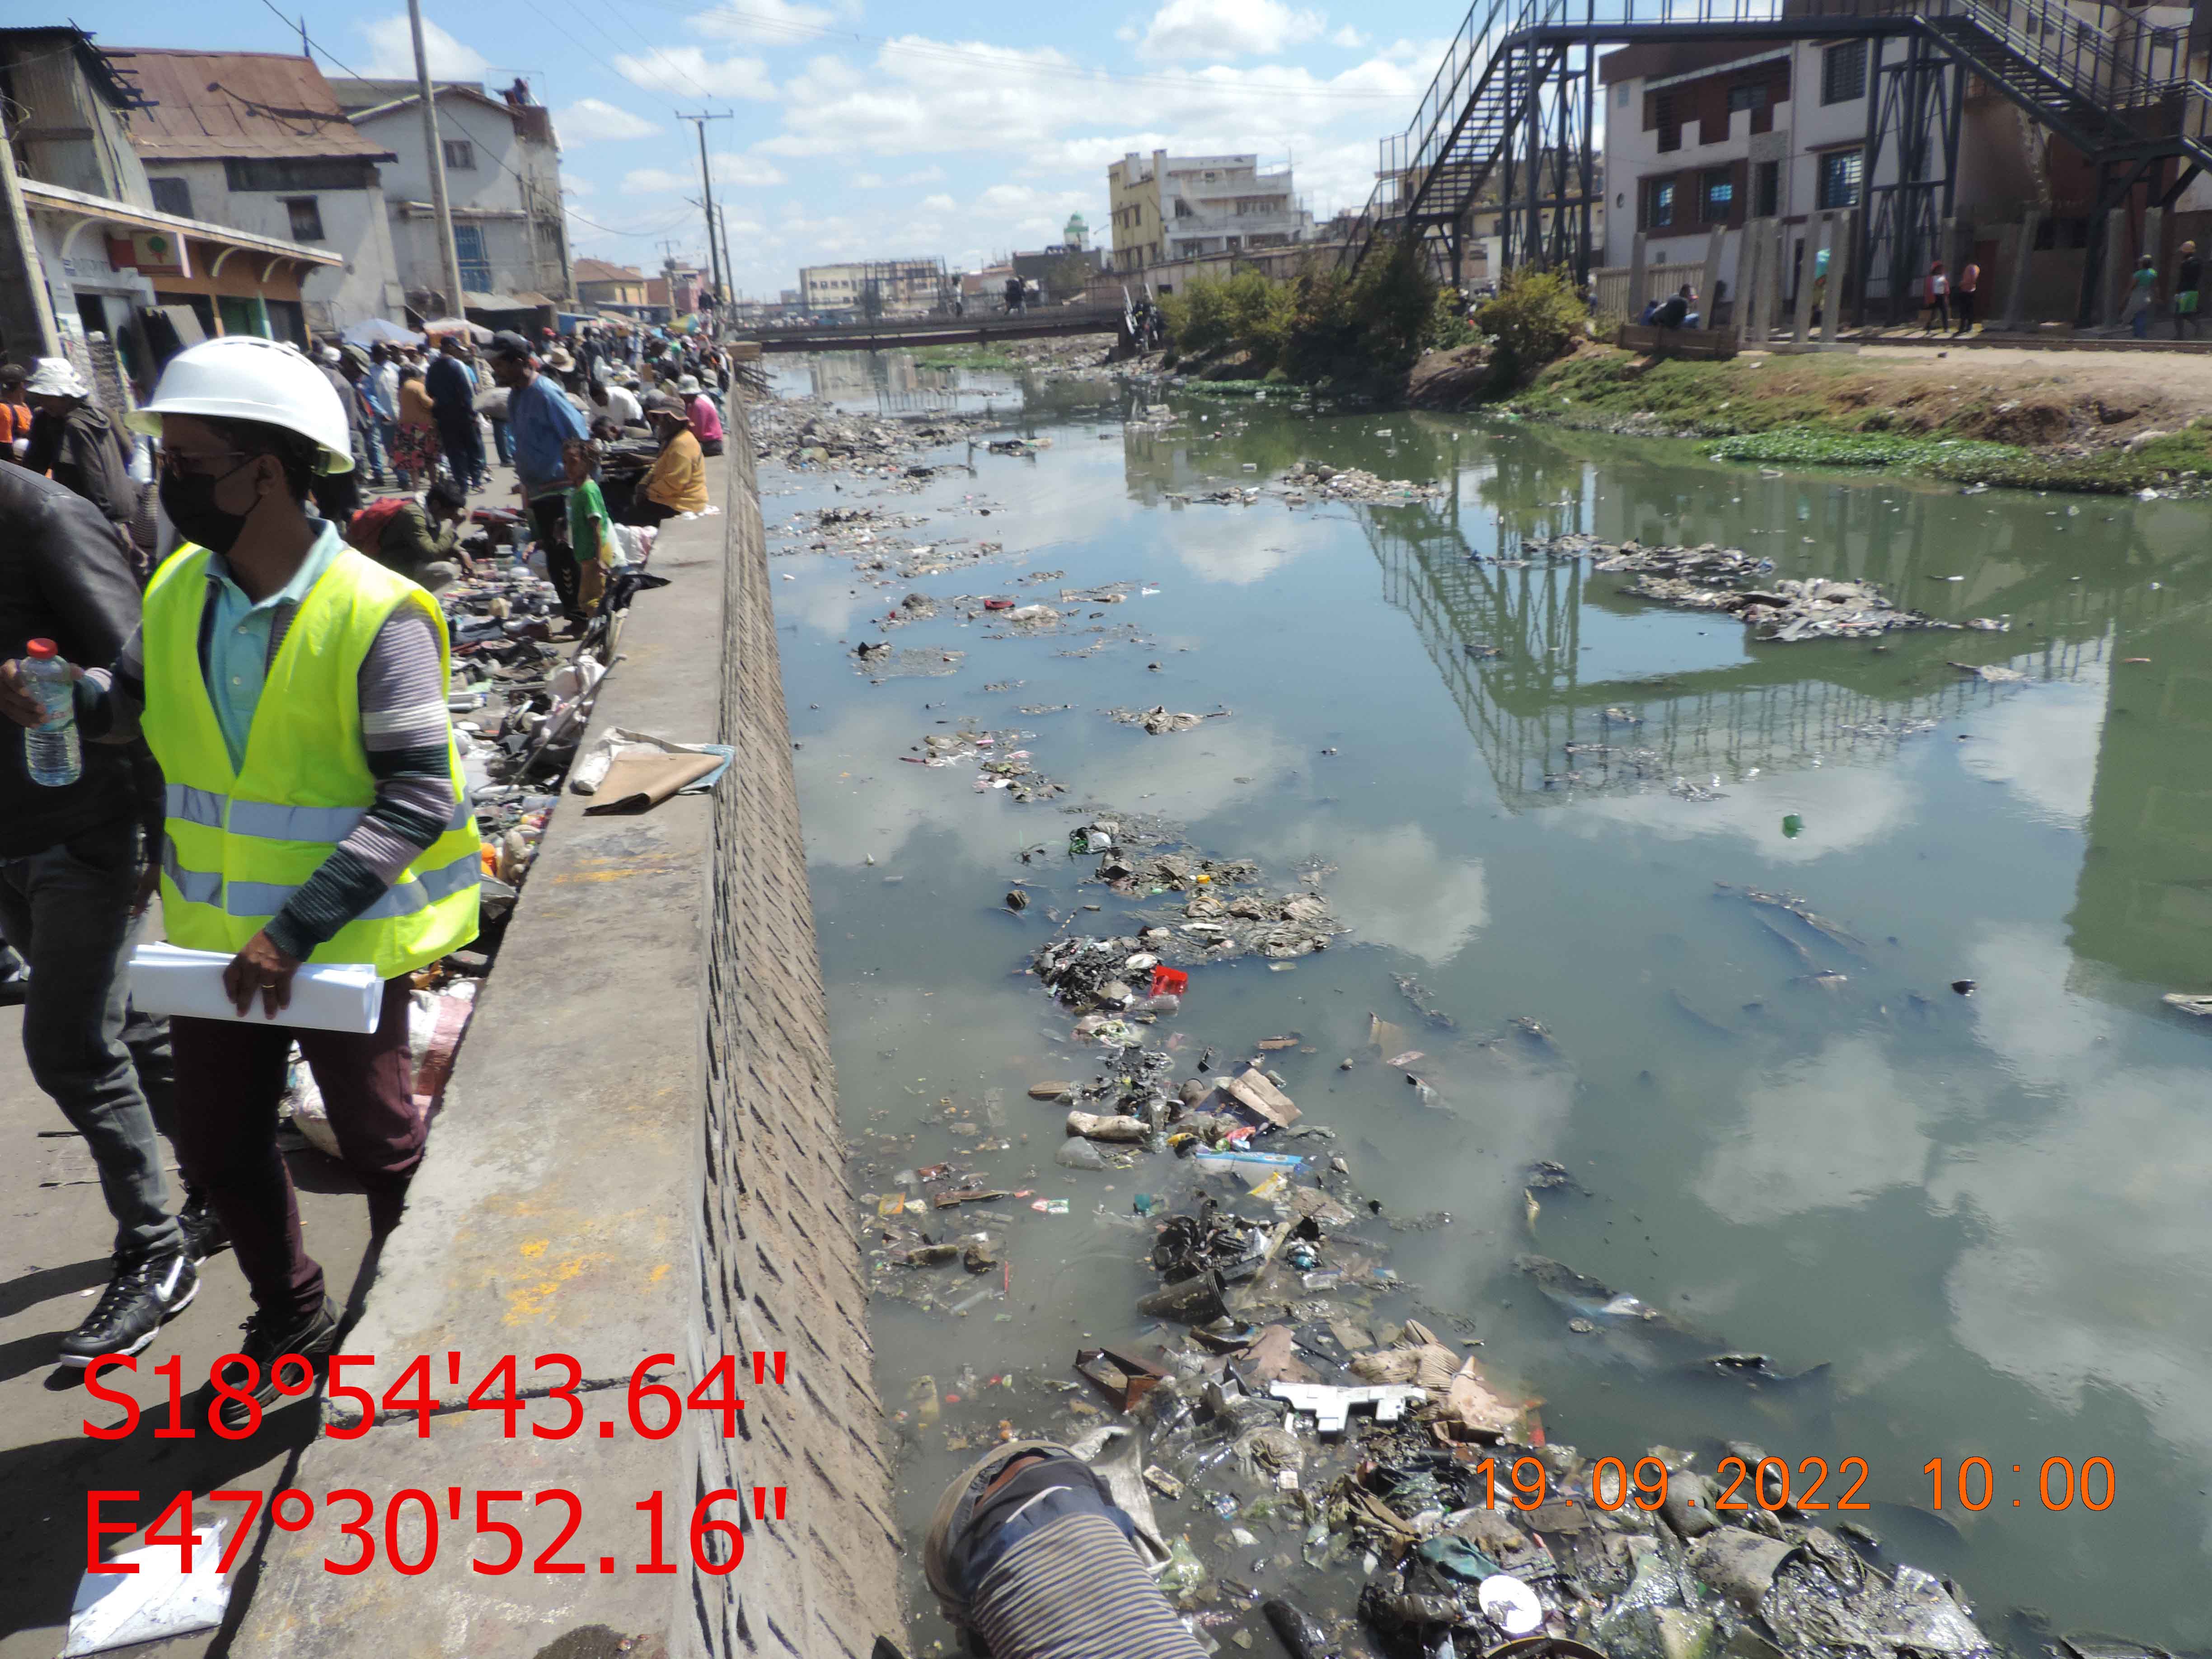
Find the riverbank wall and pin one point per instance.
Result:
(637, 1172)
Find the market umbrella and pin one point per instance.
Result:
(457, 326)
(377, 331)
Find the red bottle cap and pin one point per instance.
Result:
(44, 650)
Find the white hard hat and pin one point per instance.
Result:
(243, 377)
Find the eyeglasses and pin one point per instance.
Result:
(200, 463)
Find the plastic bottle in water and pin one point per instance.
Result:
(50, 748)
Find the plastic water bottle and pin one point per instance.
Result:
(50, 748)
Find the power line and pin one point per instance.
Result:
(682, 73)
(302, 26)
(1187, 84)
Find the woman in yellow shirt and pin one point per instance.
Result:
(677, 482)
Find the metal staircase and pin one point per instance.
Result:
(1505, 125)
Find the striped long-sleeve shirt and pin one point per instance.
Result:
(404, 732)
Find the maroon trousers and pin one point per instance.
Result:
(230, 1079)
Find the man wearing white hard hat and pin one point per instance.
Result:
(293, 691)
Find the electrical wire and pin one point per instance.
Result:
(682, 73)
(315, 45)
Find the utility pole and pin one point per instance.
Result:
(449, 261)
(707, 178)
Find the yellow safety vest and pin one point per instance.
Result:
(241, 842)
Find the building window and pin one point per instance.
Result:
(1839, 178)
(306, 218)
(173, 196)
(1754, 96)
(460, 155)
(1766, 189)
(469, 250)
(1666, 118)
(1621, 99)
(1658, 203)
(1844, 72)
(1717, 192)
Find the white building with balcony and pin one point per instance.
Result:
(1185, 207)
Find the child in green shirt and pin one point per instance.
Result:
(590, 532)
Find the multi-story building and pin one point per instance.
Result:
(1181, 207)
(901, 288)
(257, 141)
(502, 183)
(1701, 135)
(122, 280)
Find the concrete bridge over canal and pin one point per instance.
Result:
(896, 333)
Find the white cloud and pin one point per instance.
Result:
(688, 72)
(768, 21)
(593, 120)
(1830, 1130)
(734, 168)
(391, 51)
(571, 186)
(2042, 740)
(655, 181)
(1213, 29)
(939, 202)
(928, 175)
(868, 181)
(1349, 38)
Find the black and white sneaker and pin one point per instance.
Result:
(144, 1295)
(205, 1233)
(312, 1338)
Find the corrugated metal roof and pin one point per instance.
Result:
(602, 271)
(218, 105)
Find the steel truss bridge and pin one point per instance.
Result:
(1506, 127)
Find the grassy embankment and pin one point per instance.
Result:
(1949, 421)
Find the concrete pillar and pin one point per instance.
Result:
(1750, 280)
(1816, 226)
(2023, 254)
(1711, 274)
(1774, 272)
(2116, 263)
(1839, 268)
(1639, 276)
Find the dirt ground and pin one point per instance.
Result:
(2120, 392)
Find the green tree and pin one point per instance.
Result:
(1535, 317)
(871, 300)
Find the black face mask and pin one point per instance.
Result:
(189, 499)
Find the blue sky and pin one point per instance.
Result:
(868, 129)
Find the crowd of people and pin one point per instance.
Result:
(259, 696)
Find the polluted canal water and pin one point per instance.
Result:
(1737, 1047)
